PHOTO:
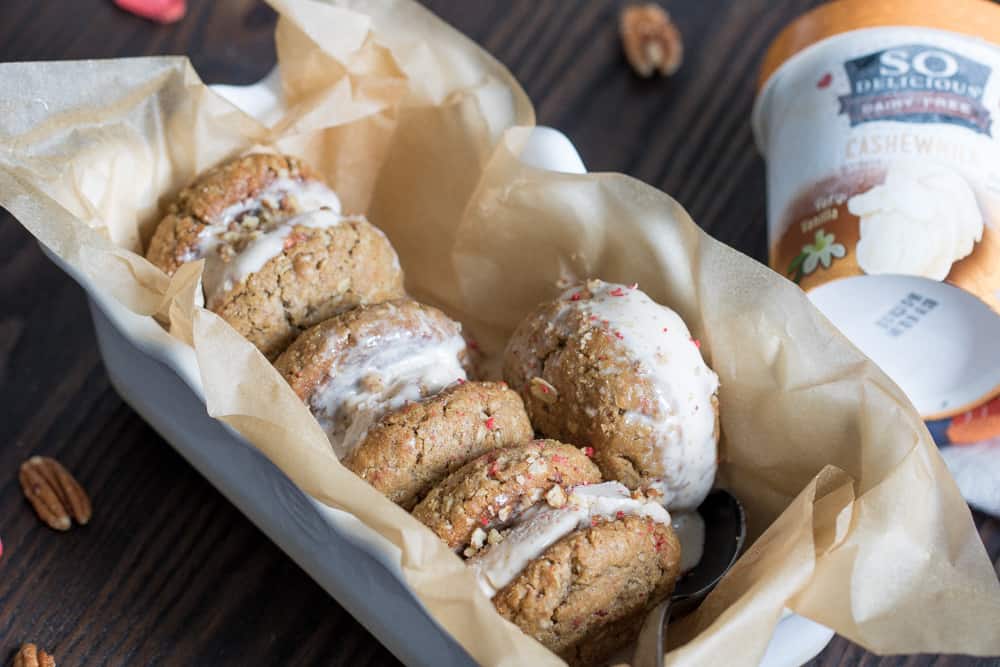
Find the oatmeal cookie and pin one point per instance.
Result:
(605, 366)
(279, 255)
(413, 448)
(365, 363)
(581, 577)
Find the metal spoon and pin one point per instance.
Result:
(725, 532)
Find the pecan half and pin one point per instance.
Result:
(54, 493)
(32, 656)
(651, 40)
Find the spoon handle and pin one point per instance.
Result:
(652, 637)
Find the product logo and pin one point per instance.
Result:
(917, 84)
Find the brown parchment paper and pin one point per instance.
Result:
(854, 520)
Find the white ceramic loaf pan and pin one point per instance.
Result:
(157, 376)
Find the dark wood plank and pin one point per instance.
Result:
(169, 572)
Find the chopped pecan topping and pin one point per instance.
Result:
(543, 391)
(556, 497)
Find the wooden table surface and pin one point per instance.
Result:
(169, 572)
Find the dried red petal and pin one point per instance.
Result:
(697, 343)
(491, 423)
(161, 11)
(620, 514)
(588, 452)
(576, 296)
(484, 521)
(618, 291)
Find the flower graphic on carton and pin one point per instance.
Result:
(823, 250)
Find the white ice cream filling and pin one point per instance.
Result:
(312, 204)
(922, 219)
(382, 375)
(690, 530)
(655, 342)
(540, 527)
(219, 276)
(309, 195)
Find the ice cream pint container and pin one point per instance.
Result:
(878, 123)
